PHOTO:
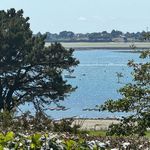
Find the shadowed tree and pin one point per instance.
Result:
(29, 71)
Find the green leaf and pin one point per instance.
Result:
(2, 139)
(70, 144)
(9, 136)
(32, 146)
(36, 140)
(1, 147)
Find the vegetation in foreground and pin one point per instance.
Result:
(103, 133)
(60, 141)
(40, 133)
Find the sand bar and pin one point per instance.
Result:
(105, 45)
(95, 124)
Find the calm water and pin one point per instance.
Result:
(96, 81)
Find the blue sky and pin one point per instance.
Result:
(83, 15)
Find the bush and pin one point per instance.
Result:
(55, 141)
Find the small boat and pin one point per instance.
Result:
(58, 109)
(69, 76)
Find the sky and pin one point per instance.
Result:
(83, 16)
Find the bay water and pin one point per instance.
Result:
(96, 79)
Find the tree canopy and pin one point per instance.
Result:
(135, 101)
(29, 71)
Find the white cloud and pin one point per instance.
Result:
(81, 18)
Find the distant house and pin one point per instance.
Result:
(131, 39)
(119, 39)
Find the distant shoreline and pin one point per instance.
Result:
(105, 45)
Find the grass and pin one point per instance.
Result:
(103, 133)
(148, 134)
(94, 132)
(97, 133)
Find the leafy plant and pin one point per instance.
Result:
(135, 101)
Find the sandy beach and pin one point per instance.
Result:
(95, 124)
(105, 45)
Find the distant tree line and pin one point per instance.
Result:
(113, 36)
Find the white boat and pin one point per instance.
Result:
(58, 109)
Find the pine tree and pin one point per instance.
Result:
(29, 71)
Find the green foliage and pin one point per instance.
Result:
(70, 144)
(6, 120)
(100, 133)
(9, 136)
(135, 101)
(39, 122)
(75, 144)
(5, 139)
(30, 72)
(38, 141)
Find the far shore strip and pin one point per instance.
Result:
(105, 45)
(95, 124)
